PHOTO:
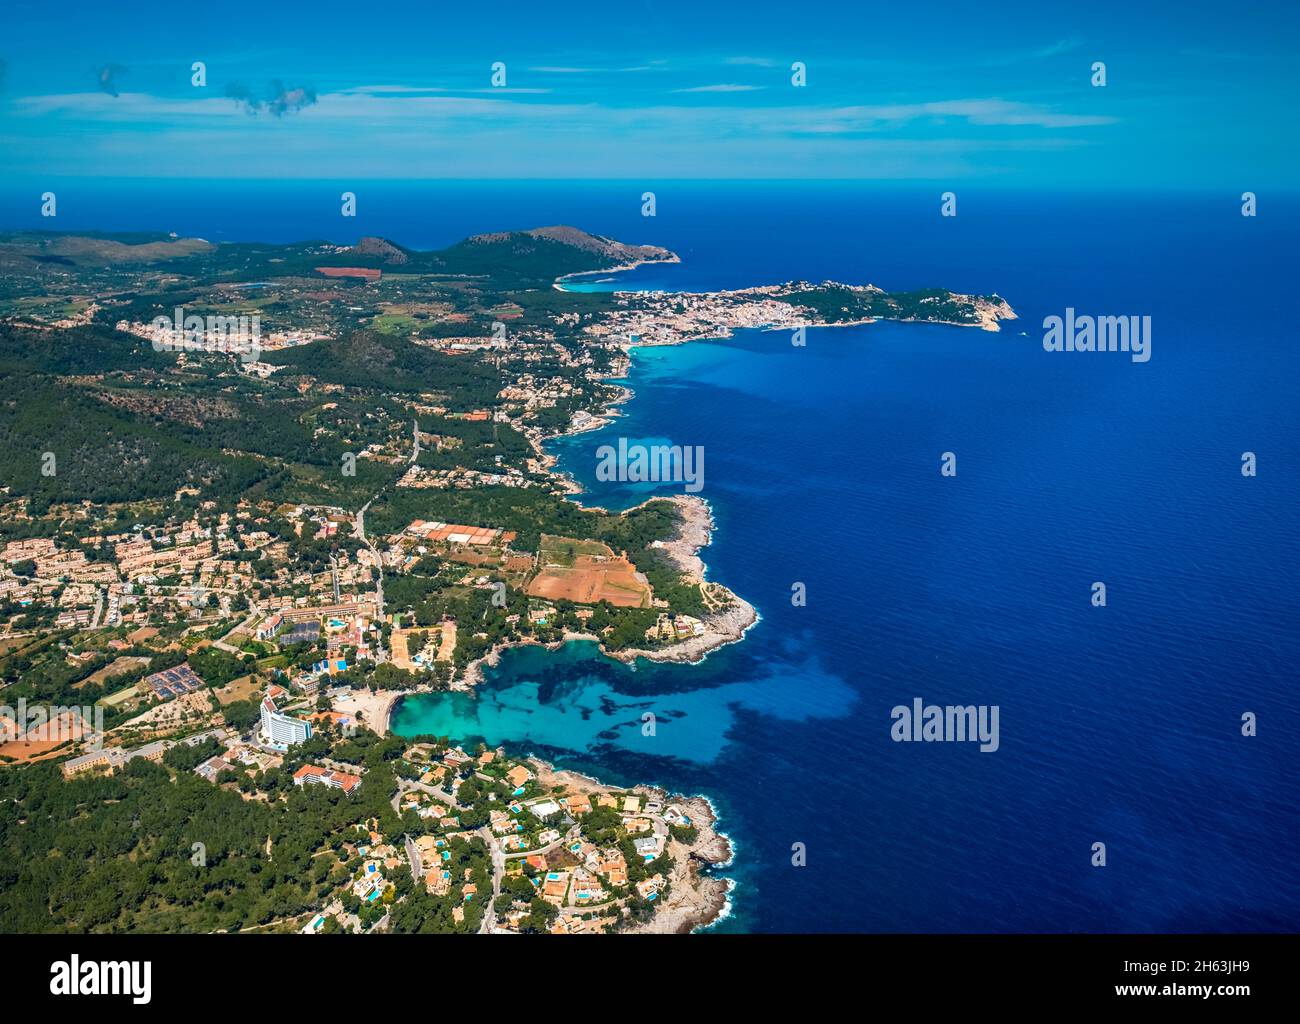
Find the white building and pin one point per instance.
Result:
(544, 808)
(311, 775)
(282, 731)
(270, 627)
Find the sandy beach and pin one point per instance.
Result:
(371, 709)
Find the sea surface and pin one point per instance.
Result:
(1119, 725)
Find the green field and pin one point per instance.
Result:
(565, 550)
(122, 696)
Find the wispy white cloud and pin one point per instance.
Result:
(127, 106)
(360, 104)
(377, 90)
(722, 87)
(394, 103)
(1057, 48)
(1044, 52)
(982, 112)
(643, 154)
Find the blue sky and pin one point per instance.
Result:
(1197, 95)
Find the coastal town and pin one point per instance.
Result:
(632, 470)
(671, 318)
(210, 643)
(479, 840)
(230, 561)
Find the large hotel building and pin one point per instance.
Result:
(282, 731)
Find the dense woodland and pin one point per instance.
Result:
(118, 852)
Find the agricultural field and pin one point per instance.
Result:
(244, 688)
(587, 572)
(120, 666)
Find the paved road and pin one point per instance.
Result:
(360, 520)
(435, 791)
(499, 856)
(564, 840)
(99, 608)
(360, 526)
(484, 833)
(498, 873)
(222, 645)
(413, 858)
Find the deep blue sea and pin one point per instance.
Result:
(1119, 725)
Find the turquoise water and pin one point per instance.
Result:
(1119, 725)
(577, 700)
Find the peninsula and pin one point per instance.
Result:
(255, 494)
